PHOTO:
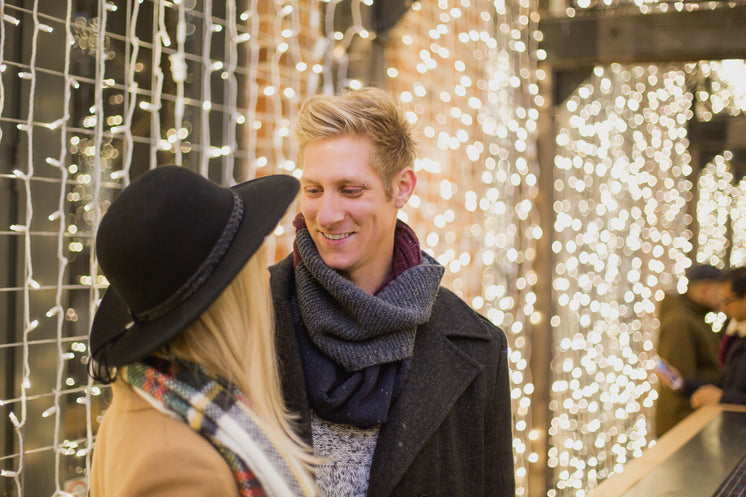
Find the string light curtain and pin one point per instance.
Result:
(466, 72)
(622, 237)
(579, 7)
(719, 89)
(718, 214)
(92, 94)
(714, 206)
(738, 214)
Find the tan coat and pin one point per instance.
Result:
(144, 452)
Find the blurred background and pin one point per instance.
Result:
(575, 157)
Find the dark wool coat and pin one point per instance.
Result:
(449, 433)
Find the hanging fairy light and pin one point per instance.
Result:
(641, 6)
(738, 218)
(719, 91)
(463, 71)
(716, 193)
(128, 101)
(621, 238)
(719, 88)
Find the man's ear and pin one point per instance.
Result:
(404, 184)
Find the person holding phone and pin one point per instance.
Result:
(687, 342)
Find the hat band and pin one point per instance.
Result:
(203, 272)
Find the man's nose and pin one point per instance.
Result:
(330, 210)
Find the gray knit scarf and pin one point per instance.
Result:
(357, 329)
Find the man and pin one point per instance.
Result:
(398, 384)
(733, 387)
(687, 342)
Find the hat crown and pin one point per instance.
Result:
(170, 244)
(157, 233)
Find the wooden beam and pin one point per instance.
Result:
(641, 38)
(727, 132)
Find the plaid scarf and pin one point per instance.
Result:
(218, 411)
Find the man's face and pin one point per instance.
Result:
(732, 305)
(347, 212)
(712, 293)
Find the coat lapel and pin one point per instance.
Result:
(439, 374)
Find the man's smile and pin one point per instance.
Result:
(335, 236)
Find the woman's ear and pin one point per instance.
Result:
(404, 185)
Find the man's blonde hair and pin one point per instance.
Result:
(369, 113)
(235, 338)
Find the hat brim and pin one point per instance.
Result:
(115, 340)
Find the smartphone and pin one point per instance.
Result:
(674, 378)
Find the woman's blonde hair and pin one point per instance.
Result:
(234, 338)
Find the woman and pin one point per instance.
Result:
(185, 335)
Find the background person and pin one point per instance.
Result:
(185, 333)
(398, 383)
(686, 341)
(732, 389)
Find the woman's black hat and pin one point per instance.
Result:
(169, 244)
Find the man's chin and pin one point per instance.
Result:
(336, 263)
(332, 253)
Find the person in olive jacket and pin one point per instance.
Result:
(400, 386)
(687, 342)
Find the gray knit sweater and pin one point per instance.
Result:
(348, 454)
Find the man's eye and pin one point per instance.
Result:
(355, 191)
(312, 191)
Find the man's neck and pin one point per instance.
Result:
(406, 254)
(369, 281)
